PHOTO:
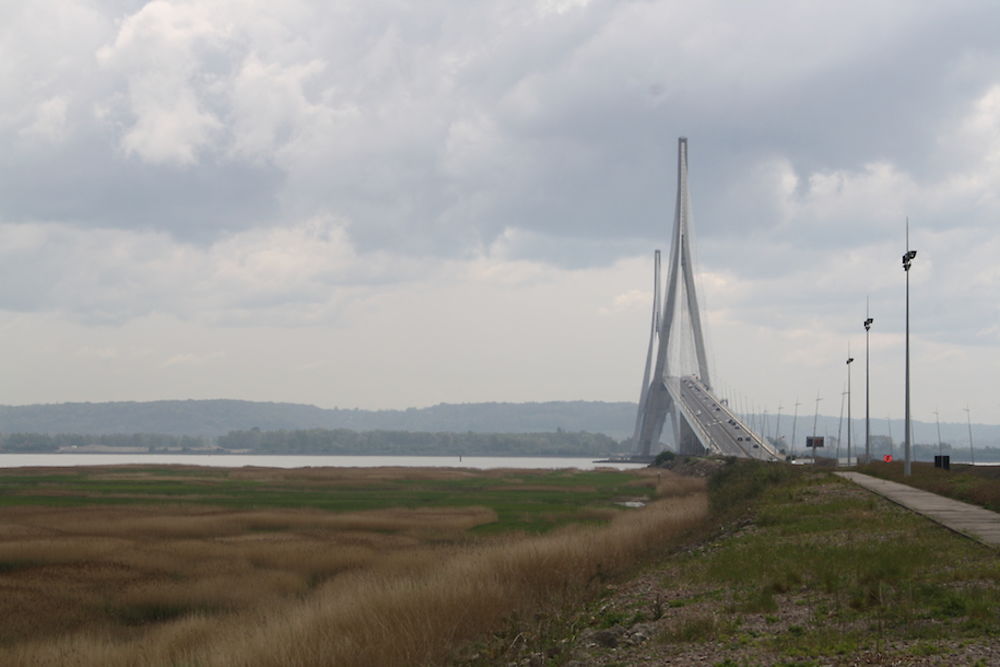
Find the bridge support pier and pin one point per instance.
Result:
(687, 441)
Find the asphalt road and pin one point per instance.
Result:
(723, 427)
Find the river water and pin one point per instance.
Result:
(278, 461)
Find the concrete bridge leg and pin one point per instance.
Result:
(687, 441)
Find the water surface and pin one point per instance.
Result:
(279, 461)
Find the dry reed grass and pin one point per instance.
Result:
(288, 587)
(376, 619)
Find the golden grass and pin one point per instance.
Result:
(137, 586)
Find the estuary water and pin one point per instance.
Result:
(278, 461)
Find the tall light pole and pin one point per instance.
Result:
(777, 426)
(815, 418)
(849, 360)
(868, 404)
(972, 452)
(795, 421)
(908, 257)
(840, 422)
(888, 422)
(937, 417)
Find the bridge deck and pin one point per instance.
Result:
(726, 433)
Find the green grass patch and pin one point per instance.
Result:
(699, 628)
(8, 566)
(528, 501)
(866, 571)
(819, 642)
(736, 484)
(978, 485)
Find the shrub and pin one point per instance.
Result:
(739, 481)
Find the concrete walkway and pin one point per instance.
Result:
(970, 520)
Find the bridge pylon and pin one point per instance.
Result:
(679, 309)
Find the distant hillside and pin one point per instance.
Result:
(212, 418)
(218, 417)
(954, 433)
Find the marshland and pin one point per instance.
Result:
(155, 565)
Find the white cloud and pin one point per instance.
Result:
(627, 301)
(560, 6)
(269, 104)
(971, 153)
(49, 124)
(170, 127)
(850, 200)
(161, 51)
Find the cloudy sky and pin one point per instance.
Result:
(384, 204)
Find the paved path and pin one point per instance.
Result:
(970, 520)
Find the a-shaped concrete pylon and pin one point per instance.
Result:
(655, 402)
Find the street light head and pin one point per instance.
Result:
(850, 359)
(868, 323)
(908, 257)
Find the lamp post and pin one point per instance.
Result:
(972, 452)
(908, 257)
(840, 421)
(888, 425)
(849, 360)
(777, 426)
(815, 418)
(795, 421)
(868, 404)
(937, 418)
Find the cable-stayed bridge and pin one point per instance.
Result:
(676, 385)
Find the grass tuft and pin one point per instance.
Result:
(867, 571)
(697, 628)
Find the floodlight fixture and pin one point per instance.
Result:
(868, 325)
(908, 257)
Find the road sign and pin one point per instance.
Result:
(814, 441)
(887, 458)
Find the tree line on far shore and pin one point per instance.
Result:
(329, 441)
(55, 442)
(349, 442)
(344, 441)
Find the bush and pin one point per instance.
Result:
(731, 489)
(664, 457)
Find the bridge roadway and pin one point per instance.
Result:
(725, 432)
